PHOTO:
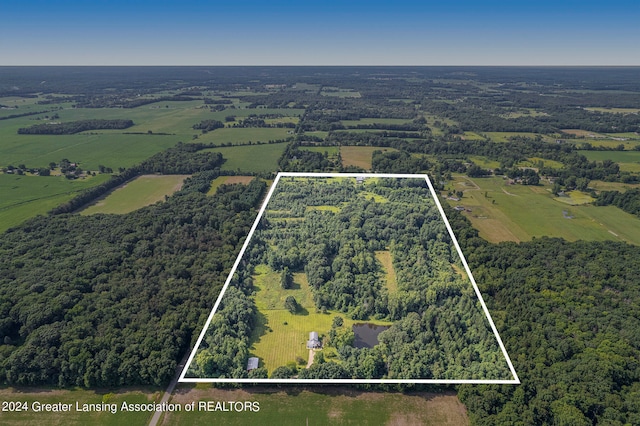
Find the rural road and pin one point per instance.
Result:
(169, 391)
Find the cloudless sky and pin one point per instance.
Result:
(356, 32)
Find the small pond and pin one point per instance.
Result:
(367, 334)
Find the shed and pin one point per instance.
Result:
(252, 364)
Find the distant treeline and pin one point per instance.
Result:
(181, 159)
(628, 201)
(73, 127)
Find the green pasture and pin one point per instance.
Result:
(615, 110)
(332, 405)
(629, 161)
(24, 197)
(318, 133)
(519, 213)
(251, 158)
(237, 135)
(576, 198)
(73, 417)
(472, 136)
(140, 192)
(484, 162)
(537, 162)
(629, 144)
(600, 185)
(524, 113)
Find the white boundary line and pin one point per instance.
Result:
(184, 379)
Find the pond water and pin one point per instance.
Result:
(367, 334)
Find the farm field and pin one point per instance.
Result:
(322, 406)
(236, 135)
(360, 156)
(629, 161)
(615, 110)
(600, 185)
(504, 136)
(228, 180)
(523, 212)
(140, 192)
(73, 417)
(24, 196)
(251, 158)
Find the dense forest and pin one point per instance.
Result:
(109, 300)
(330, 229)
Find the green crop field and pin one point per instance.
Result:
(73, 417)
(251, 158)
(24, 196)
(332, 151)
(504, 136)
(318, 133)
(140, 192)
(523, 212)
(628, 160)
(322, 406)
(360, 156)
(241, 135)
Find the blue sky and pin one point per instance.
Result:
(356, 32)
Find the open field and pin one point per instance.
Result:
(471, 136)
(504, 136)
(322, 406)
(318, 133)
(629, 144)
(384, 257)
(629, 161)
(583, 133)
(524, 113)
(360, 156)
(339, 93)
(24, 197)
(281, 336)
(73, 417)
(244, 134)
(615, 110)
(251, 158)
(228, 180)
(600, 185)
(536, 162)
(523, 212)
(484, 162)
(330, 150)
(140, 192)
(576, 198)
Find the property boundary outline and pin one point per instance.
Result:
(184, 379)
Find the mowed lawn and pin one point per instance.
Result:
(520, 213)
(24, 197)
(360, 156)
(281, 336)
(140, 192)
(73, 417)
(236, 135)
(251, 158)
(322, 406)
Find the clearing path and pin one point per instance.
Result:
(311, 356)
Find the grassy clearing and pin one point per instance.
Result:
(281, 336)
(471, 136)
(228, 180)
(318, 133)
(322, 406)
(334, 209)
(615, 110)
(600, 185)
(523, 212)
(582, 133)
(360, 156)
(332, 151)
(576, 198)
(73, 417)
(540, 162)
(384, 257)
(629, 161)
(524, 113)
(24, 197)
(484, 162)
(251, 158)
(629, 145)
(140, 192)
(504, 136)
(340, 93)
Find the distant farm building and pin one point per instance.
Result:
(314, 341)
(252, 364)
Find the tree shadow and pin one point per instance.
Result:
(260, 328)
